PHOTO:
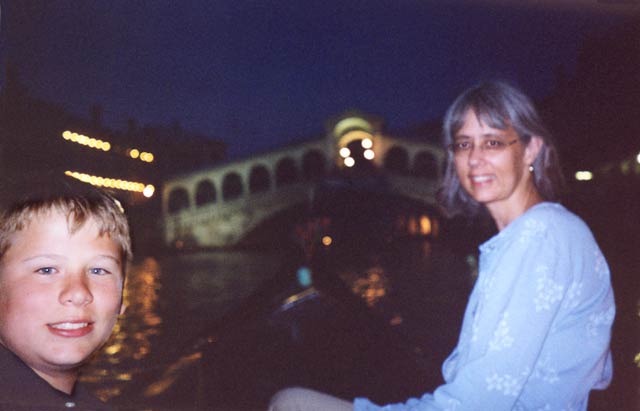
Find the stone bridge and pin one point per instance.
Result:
(218, 206)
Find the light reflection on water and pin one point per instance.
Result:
(169, 302)
(130, 341)
(371, 287)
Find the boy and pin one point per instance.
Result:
(62, 263)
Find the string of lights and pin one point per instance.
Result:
(97, 144)
(146, 189)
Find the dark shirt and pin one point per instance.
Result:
(21, 389)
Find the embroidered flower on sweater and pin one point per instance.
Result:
(506, 384)
(598, 321)
(545, 371)
(532, 228)
(548, 291)
(600, 265)
(501, 336)
(573, 294)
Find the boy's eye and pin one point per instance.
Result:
(46, 270)
(99, 271)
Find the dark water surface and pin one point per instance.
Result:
(170, 302)
(226, 329)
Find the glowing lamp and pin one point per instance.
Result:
(148, 190)
(369, 154)
(349, 162)
(584, 175)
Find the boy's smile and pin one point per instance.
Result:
(60, 294)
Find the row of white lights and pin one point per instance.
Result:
(349, 161)
(105, 145)
(146, 190)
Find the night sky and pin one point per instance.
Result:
(259, 74)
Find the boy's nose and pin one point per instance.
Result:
(76, 291)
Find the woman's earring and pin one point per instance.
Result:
(531, 168)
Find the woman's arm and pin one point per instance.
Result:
(531, 339)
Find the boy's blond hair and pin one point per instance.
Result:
(105, 210)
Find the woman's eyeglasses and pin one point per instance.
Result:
(486, 146)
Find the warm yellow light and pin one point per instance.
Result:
(349, 162)
(86, 141)
(113, 349)
(134, 153)
(146, 157)
(584, 175)
(327, 240)
(369, 154)
(147, 190)
(425, 225)
(345, 152)
(366, 143)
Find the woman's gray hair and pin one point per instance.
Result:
(499, 105)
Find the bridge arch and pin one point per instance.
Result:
(397, 160)
(286, 171)
(205, 193)
(178, 200)
(314, 165)
(259, 179)
(425, 164)
(232, 187)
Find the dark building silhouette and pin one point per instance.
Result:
(41, 142)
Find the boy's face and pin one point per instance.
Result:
(60, 293)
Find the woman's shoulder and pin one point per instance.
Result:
(554, 219)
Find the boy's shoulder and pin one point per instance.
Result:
(22, 389)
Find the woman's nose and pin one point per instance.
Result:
(475, 155)
(76, 290)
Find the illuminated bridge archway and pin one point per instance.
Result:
(218, 206)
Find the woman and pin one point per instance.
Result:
(536, 331)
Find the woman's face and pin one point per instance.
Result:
(493, 165)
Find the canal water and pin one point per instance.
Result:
(383, 271)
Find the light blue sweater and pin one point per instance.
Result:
(536, 330)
